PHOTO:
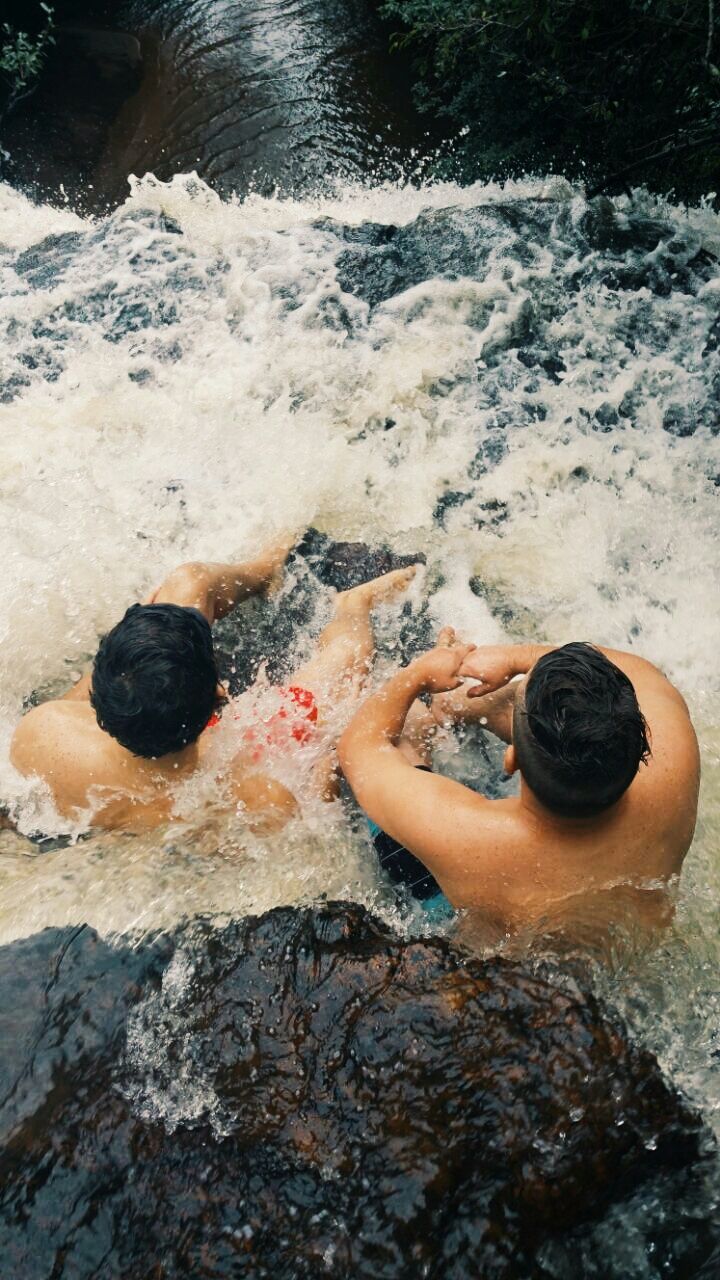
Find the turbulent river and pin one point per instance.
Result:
(520, 385)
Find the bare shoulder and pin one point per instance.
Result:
(667, 787)
(41, 728)
(673, 741)
(672, 737)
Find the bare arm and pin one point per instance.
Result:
(498, 667)
(437, 819)
(495, 665)
(216, 589)
(493, 711)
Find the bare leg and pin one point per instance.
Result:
(346, 648)
(215, 589)
(418, 735)
(345, 651)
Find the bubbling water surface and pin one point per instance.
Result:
(520, 385)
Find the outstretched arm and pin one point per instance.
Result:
(215, 589)
(436, 818)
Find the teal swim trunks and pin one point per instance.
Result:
(404, 869)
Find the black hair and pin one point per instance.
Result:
(155, 678)
(578, 732)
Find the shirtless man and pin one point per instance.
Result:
(115, 746)
(608, 763)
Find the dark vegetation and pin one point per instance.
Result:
(628, 90)
(22, 54)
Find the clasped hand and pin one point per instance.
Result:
(445, 667)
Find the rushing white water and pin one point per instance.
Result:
(523, 389)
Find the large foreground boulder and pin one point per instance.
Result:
(306, 1094)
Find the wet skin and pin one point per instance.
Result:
(94, 779)
(513, 859)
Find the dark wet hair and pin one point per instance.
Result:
(578, 732)
(154, 680)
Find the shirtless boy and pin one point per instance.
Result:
(117, 744)
(608, 763)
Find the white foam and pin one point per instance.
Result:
(273, 417)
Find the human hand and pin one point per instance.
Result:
(492, 665)
(440, 667)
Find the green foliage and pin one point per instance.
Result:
(586, 85)
(22, 56)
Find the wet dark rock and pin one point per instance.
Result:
(307, 1094)
(367, 233)
(606, 230)
(711, 415)
(269, 631)
(713, 338)
(346, 564)
(492, 512)
(553, 365)
(450, 501)
(606, 415)
(648, 254)
(680, 420)
(492, 451)
(45, 263)
(131, 317)
(621, 251)
(332, 314)
(628, 405)
(449, 243)
(165, 277)
(12, 387)
(501, 608)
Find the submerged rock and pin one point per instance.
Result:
(448, 243)
(347, 564)
(269, 630)
(306, 1094)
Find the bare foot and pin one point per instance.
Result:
(376, 591)
(271, 562)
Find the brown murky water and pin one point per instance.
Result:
(271, 96)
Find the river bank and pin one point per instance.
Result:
(613, 97)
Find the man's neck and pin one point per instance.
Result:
(172, 765)
(559, 822)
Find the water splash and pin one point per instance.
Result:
(521, 385)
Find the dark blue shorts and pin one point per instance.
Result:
(407, 871)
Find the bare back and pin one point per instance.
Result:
(513, 858)
(89, 773)
(96, 781)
